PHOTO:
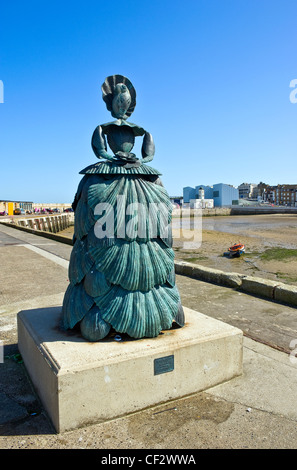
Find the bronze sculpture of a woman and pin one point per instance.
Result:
(121, 268)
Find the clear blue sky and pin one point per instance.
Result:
(212, 80)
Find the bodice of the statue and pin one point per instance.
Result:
(120, 138)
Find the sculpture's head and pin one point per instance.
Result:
(119, 95)
(121, 101)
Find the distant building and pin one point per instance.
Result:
(208, 190)
(247, 191)
(176, 200)
(9, 206)
(201, 203)
(281, 195)
(221, 194)
(51, 205)
(188, 194)
(224, 195)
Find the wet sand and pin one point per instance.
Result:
(258, 233)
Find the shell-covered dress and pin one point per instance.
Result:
(121, 270)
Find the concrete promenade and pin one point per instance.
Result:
(254, 411)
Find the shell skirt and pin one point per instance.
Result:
(121, 269)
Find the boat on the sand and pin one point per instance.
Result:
(236, 250)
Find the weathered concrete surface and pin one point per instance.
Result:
(208, 274)
(286, 294)
(266, 288)
(81, 382)
(256, 410)
(261, 319)
(259, 286)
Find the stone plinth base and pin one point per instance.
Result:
(80, 383)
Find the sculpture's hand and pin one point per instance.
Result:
(99, 144)
(126, 156)
(148, 148)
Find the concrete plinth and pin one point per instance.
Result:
(81, 383)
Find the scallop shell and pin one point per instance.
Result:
(75, 305)
(179, 317)
(95, 283)
(131, 208)
(93, 327)
(80, 261)
(134, 265)
(84, 215)
(84, 219)
(139, 314)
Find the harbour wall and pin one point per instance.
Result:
(235, 210)
(265, 288)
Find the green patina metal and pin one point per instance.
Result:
(121, 268)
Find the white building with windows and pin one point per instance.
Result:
(247, 190)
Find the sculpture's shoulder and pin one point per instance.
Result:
(137, 130)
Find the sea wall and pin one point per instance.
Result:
(235, 210)
(204, 212)
(266, 288)
(262, 210)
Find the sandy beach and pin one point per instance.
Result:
(270, 241)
